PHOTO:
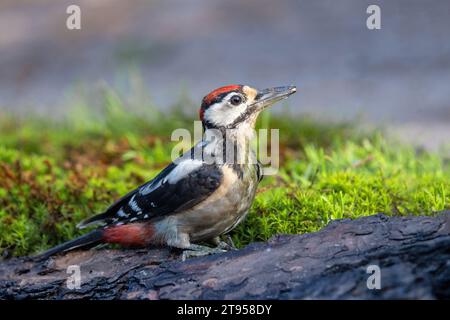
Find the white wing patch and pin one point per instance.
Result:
(122, 214)
(134, 206)
(182, 170)
(149, 188)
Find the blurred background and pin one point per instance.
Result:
(397, 77)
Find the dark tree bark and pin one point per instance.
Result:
(413, 254)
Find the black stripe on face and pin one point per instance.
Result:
(218, 98)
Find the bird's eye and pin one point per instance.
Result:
(236, 100)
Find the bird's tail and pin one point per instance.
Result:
(88, 240)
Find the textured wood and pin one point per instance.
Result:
(412, 252)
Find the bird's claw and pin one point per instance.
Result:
(226, 246)
(200, 251)
(230, 242)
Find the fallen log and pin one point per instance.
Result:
(375, 257)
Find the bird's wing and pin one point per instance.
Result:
(178, 187)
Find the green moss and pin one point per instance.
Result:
(55, 173)
(353, 180)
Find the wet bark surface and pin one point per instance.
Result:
(413, 254)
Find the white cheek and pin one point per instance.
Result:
(224, 114)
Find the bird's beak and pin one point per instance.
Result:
(268, 97)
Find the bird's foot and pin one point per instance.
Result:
(196, 250)
(225, 245)
(230, 243)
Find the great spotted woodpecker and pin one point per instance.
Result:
(202, 195)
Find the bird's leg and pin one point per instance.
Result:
(182, 241)
(195, 250)
(230, 242)
(226, 245)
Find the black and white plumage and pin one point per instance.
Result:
(179, 186)
(203, 194)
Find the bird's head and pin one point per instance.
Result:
(232, 106)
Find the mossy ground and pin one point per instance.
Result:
(54, 173)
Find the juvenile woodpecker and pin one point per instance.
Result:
(200, 196)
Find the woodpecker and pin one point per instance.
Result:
(203, 194)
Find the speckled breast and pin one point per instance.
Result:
(225, 208)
